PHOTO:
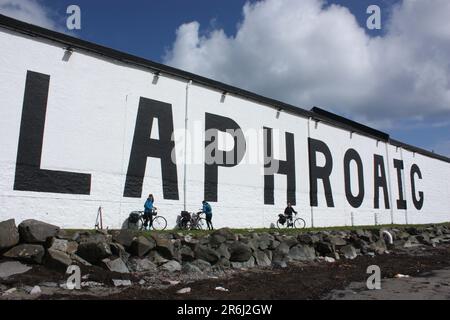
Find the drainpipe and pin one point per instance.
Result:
(311, 208)
(185, 142)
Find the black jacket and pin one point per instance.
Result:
(289, 210)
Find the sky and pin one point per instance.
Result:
(304, 52)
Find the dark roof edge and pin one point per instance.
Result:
(75, 43)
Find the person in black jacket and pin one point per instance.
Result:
(288, 213)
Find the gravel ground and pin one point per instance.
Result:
(428, 268)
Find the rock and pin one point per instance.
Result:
(187, 254)
(171, 266)
(283, 248)
(289, 241)
(264, 241)
(262, 259)
(116, 265)
(36, 290)
(221, 289)
(34, 231)
(125, 237)
(221, 235)
(141, 246)
(119, 251)
(164, 247)
(142, 265)
(156, 258)
(189, 241)
(184, 291)
(364, 235)
(329, 259)
(306, 238)
(222, 263)
(190, 268)
(9, 236)
(250, 263)
(337, 241)
(64, 245)
(323, 248)
(121, 283)
(273, 244)
(349, 252)
(223, 251)
(379, 247)
(302, 253)
(277, 263)
(424, 238)
(10, 268)
(207, 254)
(94, 252)
(80, 261)
(26, 252)
(58, 260)
(202, 264)
(239, 252)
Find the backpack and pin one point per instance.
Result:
(133, 217)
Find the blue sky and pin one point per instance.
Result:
(395, 102)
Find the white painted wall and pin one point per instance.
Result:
(90, 122)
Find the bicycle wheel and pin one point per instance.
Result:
(299, 223)
(159, 223)
(281, 225)
(201, 224)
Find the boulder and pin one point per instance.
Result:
(190, 268)
(142, 265)
(57, 260)
(63, 245)
(302, 253)
(261, 258)
(283, 248)
(187, 254)
(26, 252)
(239, 252)
(223, 251)
(94, 252)
(207, 254)
(164, 247)
(171, 266)
(250, 263)
(189, 241)
(336, 241)
(125, 237)
(116, 265)
(349, 252)
(10, 268)
(264, 241)
(156, 258)
(79, 260)
(34, 231)
(221, 235)
(9, 235)
(202, 264)
(379, 246)
(119, 251)
(141, 246)
(323, 248)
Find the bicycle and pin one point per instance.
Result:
(191, 221)
(284, 222)
(157, 223)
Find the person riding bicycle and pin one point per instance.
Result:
(148, 210)
(207, 210)
(288, 213)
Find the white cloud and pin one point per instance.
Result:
(30, 11)
(308, 53)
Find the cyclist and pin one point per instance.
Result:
(148, 210)
(206, 208)
(288, 213)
